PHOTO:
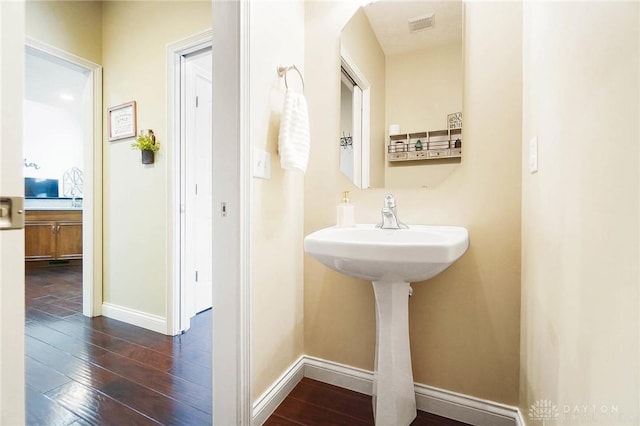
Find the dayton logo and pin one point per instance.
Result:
(544, 410)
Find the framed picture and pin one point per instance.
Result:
(454, 120)
(122, 121)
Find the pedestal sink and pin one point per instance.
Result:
(390, 259)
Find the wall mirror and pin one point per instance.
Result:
(401, 74)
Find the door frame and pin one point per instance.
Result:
(92, 174)
(361, 150)
(232, 400)
(231, 315)
(177, 317)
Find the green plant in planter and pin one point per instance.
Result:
(146, 143)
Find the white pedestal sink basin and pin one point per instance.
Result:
(391, 259)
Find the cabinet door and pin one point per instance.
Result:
(39, 241)
(69, 240)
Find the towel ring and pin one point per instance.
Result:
(282, 71)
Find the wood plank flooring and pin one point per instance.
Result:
(99, 371)
(313, 403)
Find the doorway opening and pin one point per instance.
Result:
(191, 62)
(62, 156)
(197, 185)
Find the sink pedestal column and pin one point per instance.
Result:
(394, 400)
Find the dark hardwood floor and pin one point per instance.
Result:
(313, 403)
(100, 371)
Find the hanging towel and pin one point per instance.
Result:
(293, 141)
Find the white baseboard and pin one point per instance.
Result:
(453, 405)
(134, 317)
(266, 404)
(341, 375)
(464, 408)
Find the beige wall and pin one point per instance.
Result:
(276, 39)
(464, 323)
(73, 26)
(361, 45)
(422, 88)
(580, 232)
(136, 241)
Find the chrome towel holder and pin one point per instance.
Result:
(282, 72)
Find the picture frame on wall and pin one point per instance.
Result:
(122, 121)
(454, 120)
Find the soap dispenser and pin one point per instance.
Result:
(345, 212)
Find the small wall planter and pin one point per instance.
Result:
(147, 156)
(146, 143)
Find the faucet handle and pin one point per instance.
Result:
(389, 201)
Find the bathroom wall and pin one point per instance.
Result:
(74, 26)
(580, 231)
(276, 39)
(361, 44)
(136, 197)
(464, 324)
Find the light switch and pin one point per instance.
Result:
(261, 164)
(533, 155)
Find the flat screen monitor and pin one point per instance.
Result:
(40, 188)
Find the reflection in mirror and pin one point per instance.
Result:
(413, 81)
(346, 124)
(355, 115)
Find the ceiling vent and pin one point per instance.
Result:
(420, 23)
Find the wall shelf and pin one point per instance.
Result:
(431, 145)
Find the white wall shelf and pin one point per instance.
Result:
(431, 145)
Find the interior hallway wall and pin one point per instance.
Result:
(464, 324)
(136, 196)
(73, 26)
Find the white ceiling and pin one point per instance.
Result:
(53, 82)
(389, 20)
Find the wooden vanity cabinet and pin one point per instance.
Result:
(53, 235)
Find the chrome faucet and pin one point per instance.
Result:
(390, 215)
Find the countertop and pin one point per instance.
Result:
(52, 204)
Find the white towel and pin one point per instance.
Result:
(293, 142)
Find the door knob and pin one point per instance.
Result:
(11, 212)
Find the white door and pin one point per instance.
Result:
(198, 175)
(11, 240)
